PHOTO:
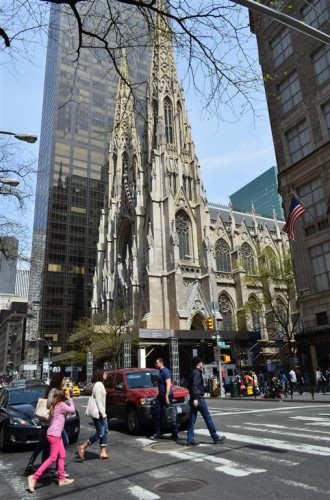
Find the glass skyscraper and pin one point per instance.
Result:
(262, 194)
(78, 108)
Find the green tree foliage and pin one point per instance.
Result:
(104, 338)
(274, 286)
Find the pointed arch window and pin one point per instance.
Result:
(168, 119)
(269, 257)
(255, 310)
(248, 260)
(226, 312)
(180, 125)
(155, 121)
(183, 230)
(222, 256)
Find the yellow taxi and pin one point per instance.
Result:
(75, 390)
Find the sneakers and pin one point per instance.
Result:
(64, 482)
(31, 483)
(192, 444)
(221, 439)
(156, 436)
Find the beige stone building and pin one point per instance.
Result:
(296, 70)
(164, 253)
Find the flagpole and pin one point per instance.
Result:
(302, 204)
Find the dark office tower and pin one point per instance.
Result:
(296, 68)
(261, 194)
(78, 110)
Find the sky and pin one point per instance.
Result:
(230, 154)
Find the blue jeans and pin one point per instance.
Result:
(204, 411)
(101, 427)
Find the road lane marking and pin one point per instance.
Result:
(227, 466)
(295, 484)
(287, 432)
(218, 412)
(273, 443)
(142, 494)
(284, 427)
(19, 487)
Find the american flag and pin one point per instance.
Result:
(296, 210)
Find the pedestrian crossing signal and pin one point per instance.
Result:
(210, 324)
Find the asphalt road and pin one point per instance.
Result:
(274, 450)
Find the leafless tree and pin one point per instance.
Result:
(212, 40)
(14, 200)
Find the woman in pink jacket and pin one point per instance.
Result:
(58, 411)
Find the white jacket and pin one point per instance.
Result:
(100, 395)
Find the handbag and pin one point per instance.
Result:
(92, 409)
(41, 411)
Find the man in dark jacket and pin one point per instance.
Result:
(198, 404)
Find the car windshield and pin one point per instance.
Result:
(142, 379)
(26, 396)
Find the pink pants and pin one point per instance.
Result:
(57, 452)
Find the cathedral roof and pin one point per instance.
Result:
(226, 215)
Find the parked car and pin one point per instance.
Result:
(19, 382)
(131, 395)
(18, 424)
(87, 390)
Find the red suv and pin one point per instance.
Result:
(131, 394)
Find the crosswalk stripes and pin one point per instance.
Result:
(299, 438)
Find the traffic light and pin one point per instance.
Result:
(210, 324)
(225, 358)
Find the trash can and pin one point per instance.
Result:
(214, 387)
(234, 389)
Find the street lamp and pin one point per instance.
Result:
(21, 137)
(9, 182)
(49, 349)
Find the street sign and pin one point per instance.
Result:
(223, 344)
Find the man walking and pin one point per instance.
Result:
(198, 404)
(164, 400)
(293, 381)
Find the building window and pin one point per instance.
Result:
(180, 125)
(226, 312)
(183, 230)
(312, 197)
(322, 318)
(326, 114)
(320, 257)
(168, 118)
(155, 121)
(315, 13)
(222, 256)
(248, 261)
(255, 311)
(281, 47)
(299, 143)
(290, 92)
(321, 62)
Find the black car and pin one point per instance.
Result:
(18, 424)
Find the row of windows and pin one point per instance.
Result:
(298, 138)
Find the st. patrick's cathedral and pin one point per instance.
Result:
(164, 254)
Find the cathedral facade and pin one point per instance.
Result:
(164, 254)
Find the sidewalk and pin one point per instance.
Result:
(305, 397)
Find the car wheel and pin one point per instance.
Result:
(133, 423)
(74, 438)
(184, 425)
(3, 441)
